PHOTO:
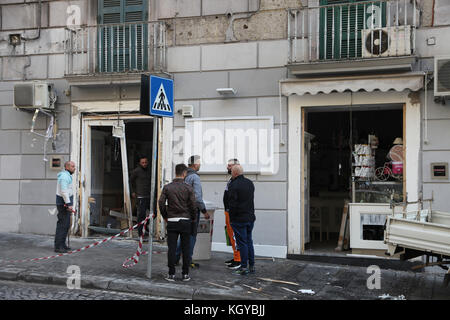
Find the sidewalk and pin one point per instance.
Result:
(101, 268)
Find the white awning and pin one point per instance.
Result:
(383, 83)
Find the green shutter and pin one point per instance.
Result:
(122, 38)
(348, 21)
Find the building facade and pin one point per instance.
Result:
(321, 76)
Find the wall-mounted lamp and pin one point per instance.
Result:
(226, 91)
(14, 39)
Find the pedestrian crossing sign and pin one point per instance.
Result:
(161, 97)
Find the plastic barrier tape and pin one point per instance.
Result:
(134, 258)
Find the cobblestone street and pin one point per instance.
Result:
(277, 279)
(14, 290)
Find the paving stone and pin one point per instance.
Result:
(101, 271)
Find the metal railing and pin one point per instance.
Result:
(115, 48)
(357, 30)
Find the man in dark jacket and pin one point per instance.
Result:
(140, 189)
(236, 261)
(179, 213)
(242, 217)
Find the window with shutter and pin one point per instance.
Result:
(340, 26)
(122, 35)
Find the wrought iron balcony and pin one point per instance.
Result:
(356, 30)
(115, 48)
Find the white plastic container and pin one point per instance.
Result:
(202, 249)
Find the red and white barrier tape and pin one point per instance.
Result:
(139, 252)
(135, 257)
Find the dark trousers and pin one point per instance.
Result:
(142, 205)
(62, 227)
(180, 229)
(243, 234)
(192, 240)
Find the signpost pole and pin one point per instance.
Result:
(161, 105)
(152, 196)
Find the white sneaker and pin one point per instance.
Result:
(185, 277)
(170, 277)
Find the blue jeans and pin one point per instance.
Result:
(243, 235)
(193, 240)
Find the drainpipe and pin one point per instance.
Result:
(39, 24)
(425, 136)
(282, 142)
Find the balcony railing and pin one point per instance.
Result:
(357, 30)
(115, 48)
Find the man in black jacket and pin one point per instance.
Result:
(140, 189)
(240, 195)
(236, 261)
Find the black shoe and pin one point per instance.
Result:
(234, 265)
(251, 269)
(229, 261)
(170, 277)
(68, 248)
(185, 277)
(60, 250)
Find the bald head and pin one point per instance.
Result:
(70, 166)
(237, 170)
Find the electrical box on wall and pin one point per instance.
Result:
(187, 111)
(439, 170)
(56, 163)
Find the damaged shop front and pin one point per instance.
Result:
(108, 138)
(354, 147)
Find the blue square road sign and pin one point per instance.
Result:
(161, 97)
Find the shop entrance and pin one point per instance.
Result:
(111, 151)
(349, 158)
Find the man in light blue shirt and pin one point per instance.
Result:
(193, 179)
(64, 204)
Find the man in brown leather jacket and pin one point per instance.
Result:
(179, 212)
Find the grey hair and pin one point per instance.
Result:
(193, 160)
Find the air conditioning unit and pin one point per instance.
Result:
(386, 42)
(34, 95)
(442, 76)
